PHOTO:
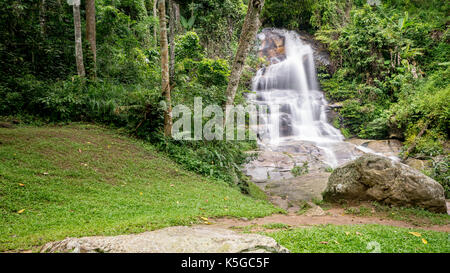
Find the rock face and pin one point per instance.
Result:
(272, 46)
(301, 188)
(171, 240)
(377, 178)
(275, 162)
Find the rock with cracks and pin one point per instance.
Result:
(178, 239)
(378, 178)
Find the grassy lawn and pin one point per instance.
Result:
(415, 216)
(361, 239)
(81, 180)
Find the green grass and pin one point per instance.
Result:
(361, 239)
(415, 216)
(81, 180)
(276, 226)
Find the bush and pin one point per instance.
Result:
(187, 46)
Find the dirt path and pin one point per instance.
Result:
(334, 216)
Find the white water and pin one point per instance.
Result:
(290, 85)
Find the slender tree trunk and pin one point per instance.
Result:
(165, 67)
(155, 38)
(172, 29)
(42, 14)
(249, 29)
(178, 27)
(91, 35)
(78, 43)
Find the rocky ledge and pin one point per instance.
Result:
(178, 239)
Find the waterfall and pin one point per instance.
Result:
(289, 89)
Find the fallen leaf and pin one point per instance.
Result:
(172, 185)
(204, 218)
(357, 233)
(324, 243)
(20, 211)
(424, 241)
(45, 173)
(22, 185)
(417, 234)
(79, 150)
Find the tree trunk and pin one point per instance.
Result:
(249, 29)
(165, 67)
(91, 36)
(172, 40)
(78, 43)
(155, 38)
(42, 14)
(178, 27)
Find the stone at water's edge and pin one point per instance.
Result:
(178, 239)
(378, 178)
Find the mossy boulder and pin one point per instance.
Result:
(376, 178)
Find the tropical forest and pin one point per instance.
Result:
(211, 126)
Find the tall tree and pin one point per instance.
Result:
(90, 35)
(42, 15)
(78, 43)
(155, 4)
(165, 67)
(248, 34)
(172, 32)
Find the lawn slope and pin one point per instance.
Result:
(81, 180)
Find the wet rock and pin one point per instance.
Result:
(377, 178)
(387, 147)
(272, 46)
(171, 240)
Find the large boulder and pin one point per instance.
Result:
(178, 239)
(377, 178)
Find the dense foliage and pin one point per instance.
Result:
(390, 71)
(39, 71)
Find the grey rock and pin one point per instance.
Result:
(377, 178)
(301, 188)
(179, 239)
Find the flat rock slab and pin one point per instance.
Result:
(179, 239)
(301, 188)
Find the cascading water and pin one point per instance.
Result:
(297, 109)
